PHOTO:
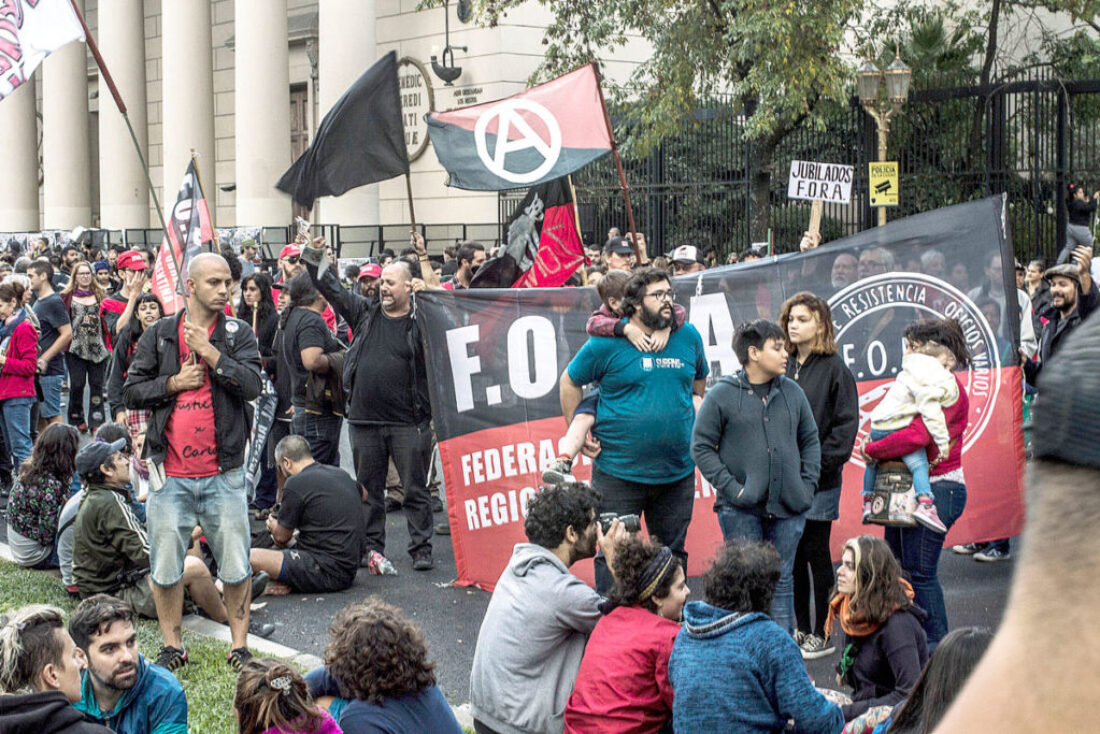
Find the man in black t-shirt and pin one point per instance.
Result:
(316, 500)
(54, 338)
(307, 349)
(389, 411)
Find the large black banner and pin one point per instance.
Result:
(495, 358)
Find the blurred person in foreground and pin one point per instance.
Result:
(1044, 662)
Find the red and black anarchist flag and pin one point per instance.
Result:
(189, 228)
(543, 247)
(530, 138)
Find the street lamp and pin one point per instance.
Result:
(869, 80)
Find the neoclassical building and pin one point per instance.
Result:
(244, 83)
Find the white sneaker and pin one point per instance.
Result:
(559, 472)
(814, 647)
(992, 555)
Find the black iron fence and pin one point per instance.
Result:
(1027, 139)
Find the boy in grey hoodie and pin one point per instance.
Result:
(755, 440)
(534, 632)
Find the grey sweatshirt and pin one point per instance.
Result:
(761, 456)
(531, 643)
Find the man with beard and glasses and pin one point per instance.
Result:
(1073, 296)
(533, 635)
(120, 689)
(647, 411)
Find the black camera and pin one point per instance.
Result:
(632, 523)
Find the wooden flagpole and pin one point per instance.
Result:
(642, 255)
(94, 48)
(577, 222)
(409, 191)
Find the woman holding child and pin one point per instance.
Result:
(918, 548)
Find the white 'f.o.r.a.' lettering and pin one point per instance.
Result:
(532, 361)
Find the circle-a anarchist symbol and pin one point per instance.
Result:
(508, 115)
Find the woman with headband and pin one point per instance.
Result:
(623, 681)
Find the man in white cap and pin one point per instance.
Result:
(688, 259)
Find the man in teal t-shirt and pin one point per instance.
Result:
(645, 416)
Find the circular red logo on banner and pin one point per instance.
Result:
(870, 317)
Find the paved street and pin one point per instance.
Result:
(450, 616)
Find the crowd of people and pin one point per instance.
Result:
(135, 488)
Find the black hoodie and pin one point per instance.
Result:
(48, 712)
(831, 390)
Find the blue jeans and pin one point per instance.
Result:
(16, 427)
(50, 406)
(220, 505)
(782, 532)
(916, 463)
(918, 550)
(321, 432)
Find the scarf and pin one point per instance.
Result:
(81, 293)
(854, 625)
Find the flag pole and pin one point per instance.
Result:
(102, 64)
(198, 177)
(642, 256)
(577, 222)
(409, 192)
(94, 48)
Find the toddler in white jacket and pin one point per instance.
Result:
(924, 387)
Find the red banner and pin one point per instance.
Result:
(495, 357)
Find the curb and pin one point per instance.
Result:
(210, 628)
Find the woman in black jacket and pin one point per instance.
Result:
(879, 628)
(257, 307)
(831, 390)
(147, 311)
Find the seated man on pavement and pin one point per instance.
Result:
(533, 635)
(40, 675)
(321, 502)
(111, 549)
(120, 689)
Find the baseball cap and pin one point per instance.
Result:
(290, 251)
(1065, 427)
(370, 270)
(130, 260)
(687, 254)
(95, 454)
(1066, 270)
(619, 246)
(248, 243)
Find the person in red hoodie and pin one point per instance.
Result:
(919, 548)
(622, 684)
(18, 362)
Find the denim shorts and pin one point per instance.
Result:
(219, 505)
(50, 406)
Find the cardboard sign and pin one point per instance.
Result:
(883, 183)
(820, 181)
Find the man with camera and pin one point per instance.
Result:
(533, 635)
(646, 413)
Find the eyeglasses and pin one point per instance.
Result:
(662, 295)
(292, 260)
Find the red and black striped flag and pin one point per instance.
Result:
(534, 137)
(543, 247)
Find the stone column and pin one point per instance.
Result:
(19, 161)
(66, 167)
(262, 110)
(346, 30)
(123, 191)
(188, 92)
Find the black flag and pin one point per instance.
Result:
(360, 141)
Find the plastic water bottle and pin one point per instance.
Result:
(379, 565)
